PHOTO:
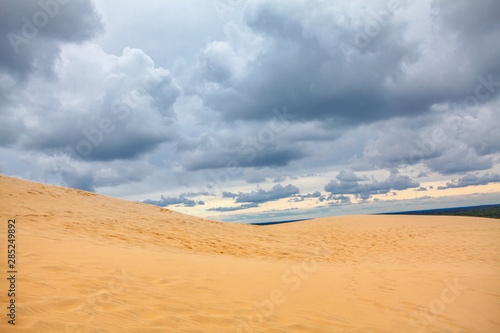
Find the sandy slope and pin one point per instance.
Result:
(89, 263)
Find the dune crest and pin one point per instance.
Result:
(91, 263)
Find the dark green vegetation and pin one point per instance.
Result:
(490, 211)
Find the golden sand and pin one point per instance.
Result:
(91, 263)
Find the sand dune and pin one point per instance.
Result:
(90, 263)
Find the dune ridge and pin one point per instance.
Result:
(91, 263)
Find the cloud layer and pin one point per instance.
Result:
(34, 31)
(349, 183)
(270, 92)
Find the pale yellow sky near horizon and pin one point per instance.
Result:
(310, 204)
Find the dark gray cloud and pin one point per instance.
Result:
(472, 180)
(349, 177)
(182, 200)
(77, 179)
(299, 62)
(260, 196)
(62, 170)
(349, 183)
(469, 19)
(336, 200)
(119, 110)
(79, 101)
(229, 195)
(84, 175)
(456, 140)
(314, 195)
(223, 157)
(277, 192)
(250, 145)
(32, 31)
(32, 35)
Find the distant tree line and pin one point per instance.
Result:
(489, 211)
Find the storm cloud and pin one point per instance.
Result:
(299, 60)
(34, 31)
(132, 100)
(277, 192)
(349, 183)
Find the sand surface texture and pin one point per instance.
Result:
(90, 263)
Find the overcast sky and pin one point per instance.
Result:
(255, 110)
